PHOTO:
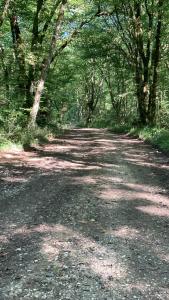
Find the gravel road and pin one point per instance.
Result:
(85, 217)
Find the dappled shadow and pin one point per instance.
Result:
(90, 221)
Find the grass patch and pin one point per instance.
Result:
(24, 138)
(158, 137)
(6, 144)
(35, 137)
(123, 128)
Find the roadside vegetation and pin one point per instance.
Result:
(158, 137)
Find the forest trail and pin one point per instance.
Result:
(85, 217)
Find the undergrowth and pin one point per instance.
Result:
(21, 139)
(123, 128)
(158, 137)
(6, 143)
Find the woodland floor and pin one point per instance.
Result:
(85, 217)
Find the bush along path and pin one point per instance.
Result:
(85, 217)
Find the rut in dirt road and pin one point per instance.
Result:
(85, 217)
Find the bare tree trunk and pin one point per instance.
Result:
(36, 103)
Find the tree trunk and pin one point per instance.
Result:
(36, 103)
(152, 108)
(19, 54)
(35, 39)
(140, 93)
(45, 66)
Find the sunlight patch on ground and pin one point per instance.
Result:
(51, 163)
(124, 232)
(107, 269)
(122, 140)
(142, 187)
(141, 286)
(41, 228)
(14, 179)
(164, 257)
(4, 239)
(85, 251)
(85, 179)
(142, 162)
(113, 179)
(118, 194)
(154, 210)
(59, 148)
(51, 248)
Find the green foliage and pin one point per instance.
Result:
(158, 137)
(9, 140)
(26, 138)
(123, 128)
(38, 136)
(8, 145)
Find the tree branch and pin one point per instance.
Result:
(48, 21)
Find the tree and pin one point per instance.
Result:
(46, 64)
(139, 26)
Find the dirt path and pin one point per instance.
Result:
(86, 217)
